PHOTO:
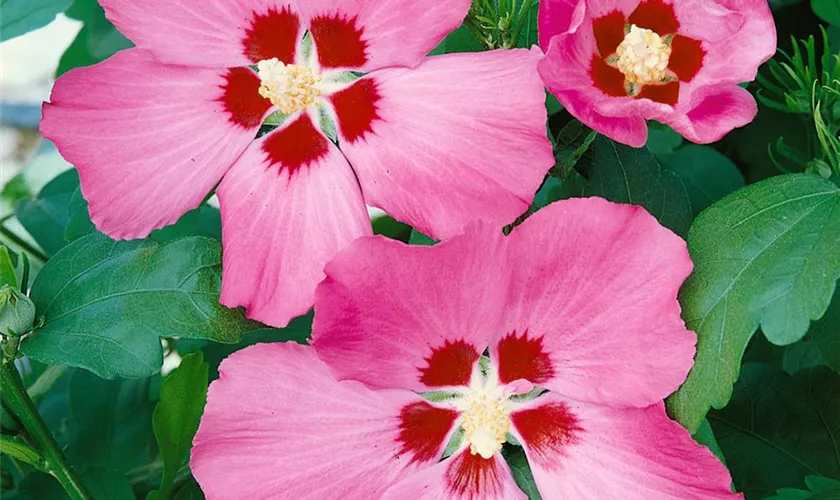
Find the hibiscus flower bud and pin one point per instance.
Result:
(17, 312)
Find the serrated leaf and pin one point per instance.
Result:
(105, 304)
(46, 216)
(779, 428)
(177, 415)
(707, 174)
(628, 175)
(23, 16)
(764, 256)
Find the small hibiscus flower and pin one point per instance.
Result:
(614, 64)
(351, 112)
(563, 337)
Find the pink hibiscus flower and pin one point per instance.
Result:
(435, 142)
(580, 302)
(616, 63)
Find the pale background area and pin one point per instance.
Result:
(27, 67)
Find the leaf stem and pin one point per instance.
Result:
(24, 245)
(17, 399)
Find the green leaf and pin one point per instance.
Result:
(105, 303)
(109, 422)
(628, 175)
(97, 40)
(778, 429)
(418, 238)
(706, 436)
(707, 174)
(177, 415)
(23, 16)
(819, 488)
(391, 228)
(825, 333)
(8, 273)
(662, 139)
(46, 216)
(107, 484)
(460, 40)
(78, 222)
(515, 457)
(764, 256)
(828, 10)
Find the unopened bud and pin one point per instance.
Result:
(17, 312)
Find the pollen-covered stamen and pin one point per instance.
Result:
(288, 86)
(485, 420)
(643, 57)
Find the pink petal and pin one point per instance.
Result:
(460, 477)
(557, 17)
(717, 111)
(593, 305)
(735, 59)
(414, 317)
(566, 71)
(288, 205)
(707, 20)
(208, 33)
(391, 32)
(461, 136)
(277, 424)
(599, 452)
(149, 140)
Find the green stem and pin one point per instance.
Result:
(24, 245)
(14, 393)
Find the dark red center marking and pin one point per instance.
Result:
(471, 476)
(523, 357)
(241, 98)
(423, 428)
(295, 146)
(656, 15)
(609, 32)
(547, 429)
(608, 79)
(668, 93)
(339, 41)
(272, 34)
(687, 56)
(450, 364)
(356, 108)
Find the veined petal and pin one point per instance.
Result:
(460, 137)
(149, 140)
(211, 33)
(392, 315)
(578, 451)
(462, 476)
(593, 306)
(277, 424)
(288, 205)
(374, 34)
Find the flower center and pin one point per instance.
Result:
(288, 86)
(643, 56)
(486, 421)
